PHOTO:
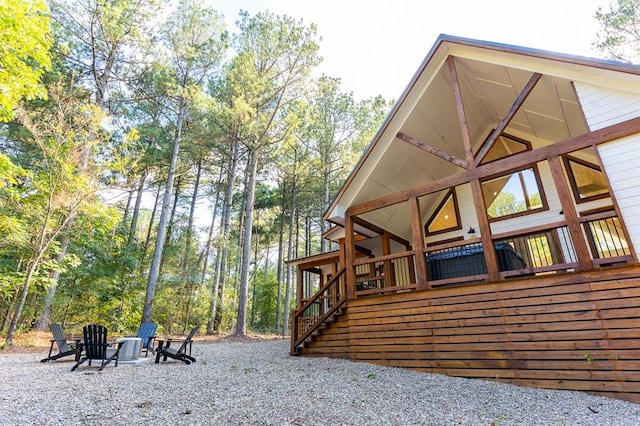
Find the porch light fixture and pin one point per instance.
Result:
(471, 230)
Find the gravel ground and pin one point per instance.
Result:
(258, 383)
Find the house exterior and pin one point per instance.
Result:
(491, 228)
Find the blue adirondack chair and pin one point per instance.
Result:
(147, 333)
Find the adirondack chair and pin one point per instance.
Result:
(66, 347)
(96, 347)
(183, 353)
(147, 333)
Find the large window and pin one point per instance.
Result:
(446, 217)
(512, 194)
(587, 180)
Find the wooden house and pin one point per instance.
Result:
(491, 228)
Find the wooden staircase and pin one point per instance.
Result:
(319, 329)
(318, 312)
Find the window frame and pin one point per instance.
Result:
(543, 196)
(567, 159)
(450, 193)
(515, 139)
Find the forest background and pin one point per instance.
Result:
(121, 119)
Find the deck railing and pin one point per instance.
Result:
(534, 251)
(606, 238)
(526, 252)
(317, 309)
(385, 273)
(456, 262)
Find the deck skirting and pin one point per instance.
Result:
(571, 331)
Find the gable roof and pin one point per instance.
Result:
(491, 77)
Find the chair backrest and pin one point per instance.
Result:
(146, 332)
(188, 339)
(58, 336)
(95, 341)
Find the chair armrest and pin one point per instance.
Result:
(178, 340)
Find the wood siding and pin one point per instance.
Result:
(620, 158)
(573, 331)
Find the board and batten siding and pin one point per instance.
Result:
(620, 158)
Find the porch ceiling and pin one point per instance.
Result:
(550, 113)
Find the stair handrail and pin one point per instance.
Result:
(298, 338)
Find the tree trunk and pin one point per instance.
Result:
(290, 254)
(45, 317)
(31, 269)
(252, 281)
(220, 274)
(207, 247)
(154, 271)
(187, 278)
(252, 170)
(194, 198)
(280, 258)
(325, 205)
(136, 209)
(147, 240)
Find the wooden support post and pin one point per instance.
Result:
(350, 256)
(334, 270)
(300, 285)
(485, 231)
(389, 273)
(418, 244)
(342, 261)
(570, 214)
(411, 263)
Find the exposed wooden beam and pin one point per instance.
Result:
(485, 231)
(606, 134)
(418, 244)
(432, 150)
(350, 257)
(299, 287)
(570, 214)
(462, 117)
(508, 117)
(360, 221)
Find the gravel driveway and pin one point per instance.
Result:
(258, 383)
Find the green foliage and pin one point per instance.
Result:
(114, 122)
(24, 52)
(619, 35)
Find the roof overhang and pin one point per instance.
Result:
(490, 76)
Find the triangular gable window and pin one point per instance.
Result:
(587, 180)
(446, 217)
(504, 146)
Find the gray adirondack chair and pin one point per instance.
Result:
(182, 353)
(66, 347)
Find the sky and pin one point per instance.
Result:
(375, 46)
